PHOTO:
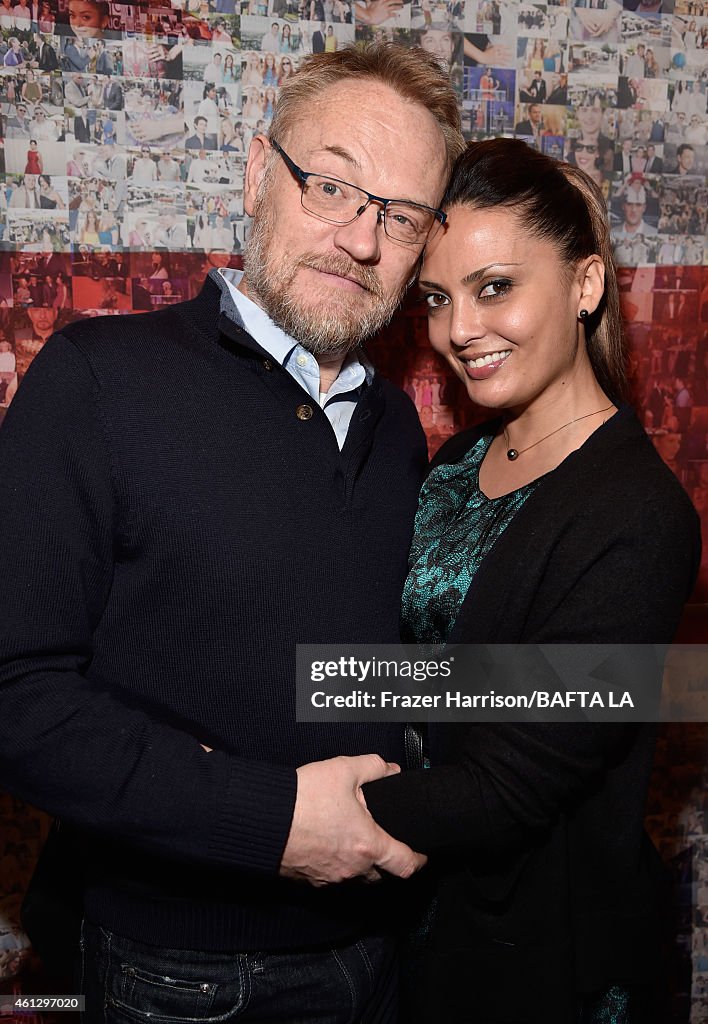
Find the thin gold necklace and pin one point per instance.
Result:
(512, 454)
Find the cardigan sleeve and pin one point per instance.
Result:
(509, 783)
(78, 749)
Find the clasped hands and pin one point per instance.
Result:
(333, 838)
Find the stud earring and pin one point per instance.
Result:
(584, 315)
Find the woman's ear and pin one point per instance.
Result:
(591, 275)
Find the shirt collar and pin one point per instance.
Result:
(256, 322)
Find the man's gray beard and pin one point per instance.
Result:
(321, 333)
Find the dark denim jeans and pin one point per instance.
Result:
(127, 982)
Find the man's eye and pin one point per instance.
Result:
(328, 189)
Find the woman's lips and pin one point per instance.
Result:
(483, 366)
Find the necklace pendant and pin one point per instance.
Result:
(512, 454)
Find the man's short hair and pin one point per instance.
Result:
(411, 72)
(683, 147)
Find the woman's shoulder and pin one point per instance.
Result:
(459, 445)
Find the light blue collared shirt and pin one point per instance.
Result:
(340, 401)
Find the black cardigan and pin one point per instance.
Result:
(172, 527)
(553, 895)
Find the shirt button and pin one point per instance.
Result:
(304, 412)
(301, 360)
(267, 365)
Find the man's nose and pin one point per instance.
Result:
(361, 238)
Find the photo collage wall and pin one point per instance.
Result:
(123, 135)
(124, 130)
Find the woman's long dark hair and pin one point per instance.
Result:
(560, 203)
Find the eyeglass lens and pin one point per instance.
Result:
(340, 203)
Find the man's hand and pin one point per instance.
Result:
(333, 837)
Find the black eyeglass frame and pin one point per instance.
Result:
(302, 176)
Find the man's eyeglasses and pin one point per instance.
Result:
(339, 202)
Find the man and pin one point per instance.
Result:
(208, 107)
(171, 234)
(213, 71)
(75, 92)
(19, 125)
(319, 37)
(270, 43)
(559, 94)
(685, 160)
(623, 159)
(76, 57)
(655, 165)
(47, 57)
(29, 341)
(168, 168)
(26, 195)
(113, 95)
(199, 168)
(144, 168)
(634, 204)
(104, 60)
(108, 164)
(537, 88)
(533, 124)
(82, 126)
(200, 139)
(219, 481)
(635, 62)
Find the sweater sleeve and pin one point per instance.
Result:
(509, 783)
(79, 749)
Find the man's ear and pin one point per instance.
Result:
(258, 153)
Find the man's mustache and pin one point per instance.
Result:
(343, 266)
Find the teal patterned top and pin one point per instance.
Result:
(455, 527)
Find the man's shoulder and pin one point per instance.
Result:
(136, 337)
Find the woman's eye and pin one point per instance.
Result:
(493, 289)
(434, 300)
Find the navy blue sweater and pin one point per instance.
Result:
(171, 528)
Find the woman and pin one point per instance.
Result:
(331, 41)
(589, 114)
(89, 18)
(47, 21)
(62, 296)
(270, 98)
(690, 36)
(286, 39)
(585, 156)
(252, 72)
(33, 164)
(230, 74)
(270, 71)
(285, 70)
(108, 230)
(49, 198)
(253, 104)
(651, 65)
(555, 522)
(89, 232)
(31, 90)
